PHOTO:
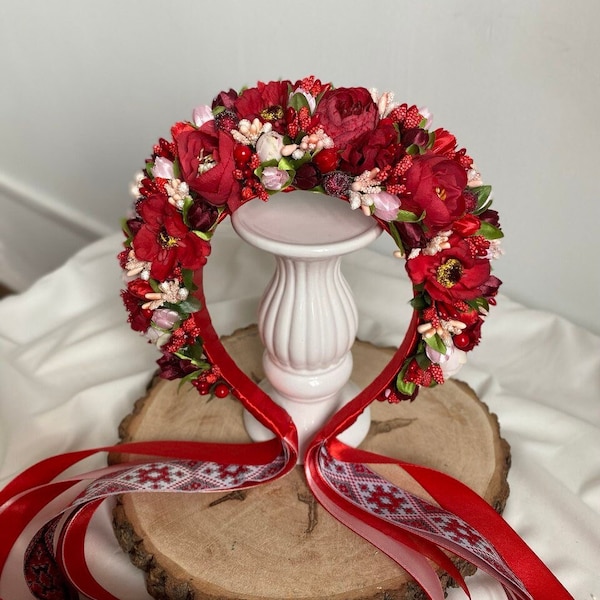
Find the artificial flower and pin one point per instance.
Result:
(436, 184)
(164, 239)
(202, 114)
(346, 114)
(450, 275)
(378, 147)
(163, 167)
(273, 178)
(207, 164)
(385, 205)
(269, 146)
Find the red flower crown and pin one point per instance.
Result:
(351, 143)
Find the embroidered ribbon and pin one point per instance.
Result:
(366, 492)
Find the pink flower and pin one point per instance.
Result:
(202, 114)
(164, 318)
(274, 178)
(163, 168)
(451, 362)
(386, 206)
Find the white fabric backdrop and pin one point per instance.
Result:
(70, 369)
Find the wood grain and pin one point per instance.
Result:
(275, 542)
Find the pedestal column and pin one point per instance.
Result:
(307, 316)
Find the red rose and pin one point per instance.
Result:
(467, 225)
(207, 164)
(451, 274)
(165, 241)
(435, 185)
(346, 113)
(376, 148)
(444, 144)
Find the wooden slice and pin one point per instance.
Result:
(275, 542)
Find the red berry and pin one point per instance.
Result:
(203, 388)
(461, 340)
(221, 391)
(326, 160)
(241, 154)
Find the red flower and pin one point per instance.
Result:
(374, 148)
(467, 225)
(226, 99)
(207, 164)
(139, 318)
(444, 144)
(266, 101)
(435, 185)
(346, 113)
(452, 274)
(173, 367)
(165, 240)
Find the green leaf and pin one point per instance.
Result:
(396, 237)
(483, 194)
(191, 305)
(489, 231)
(187, 275)
(205, 235)
(436, 342)
(176, 169)
(268, 163)
(431, 140)
(406, 216)
(190, 377)
(421, 301)
(423, 361)
(195, 354)
(478, 303)
(405, 387)
(187, 204)
(127, 232)
(149, 167)
(297, 101)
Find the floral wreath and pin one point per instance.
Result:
(351, 143)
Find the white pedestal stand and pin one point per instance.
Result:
(307, 317)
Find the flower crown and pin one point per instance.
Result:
(352, 143)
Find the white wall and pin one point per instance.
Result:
(87, 88)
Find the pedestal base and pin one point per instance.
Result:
(275, 542)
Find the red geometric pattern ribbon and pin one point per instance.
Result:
(370, 492)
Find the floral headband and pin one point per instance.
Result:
(378, 156)
(351, 143)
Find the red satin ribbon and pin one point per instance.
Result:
(34, 490)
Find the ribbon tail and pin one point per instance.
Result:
(450, 514)
(412, 561)
(462, 501)
(43, 575)
(71, 553)
(47, 500)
